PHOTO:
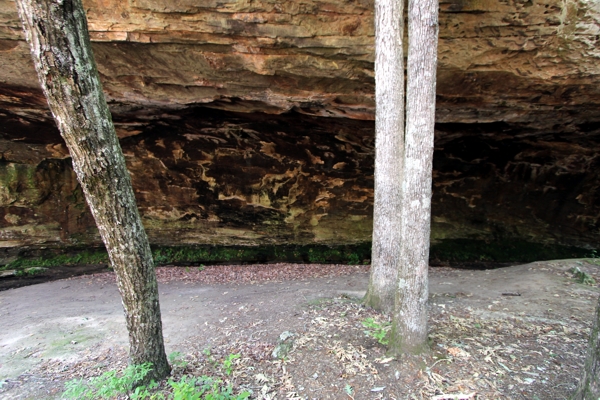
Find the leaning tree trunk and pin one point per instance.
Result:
(57, 34)
(389, 143)
(589, 386)
(409, 327)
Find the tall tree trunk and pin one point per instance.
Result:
(589, 386)
(57, 34)
(409, 327)
(389, 143)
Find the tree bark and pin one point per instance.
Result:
(589, 386)
(409, 327)
(58, 36)
(389, 143)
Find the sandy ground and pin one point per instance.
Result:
(49, 330)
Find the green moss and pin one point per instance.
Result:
(8, 174)
(30, 271)
(320, 255)
(18, 184)
(398, 345)
(52, 260)
(197, 255)
(451, 250)
(9, 182)
(508, 250)
(345, 254)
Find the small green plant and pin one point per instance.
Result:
(209, 357)
(204, 387)
(353, 259)
(349, 390)
(185, 389)
(176, 360)
(315, 257)
(111, 384)
(582, 277)
(378, 331)
(228, 363)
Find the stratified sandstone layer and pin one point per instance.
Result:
(251, 122)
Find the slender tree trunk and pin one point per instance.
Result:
(389, 143)
(409, 328)
(57, 33)
(589, 386)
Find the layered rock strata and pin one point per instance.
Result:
(251, 122)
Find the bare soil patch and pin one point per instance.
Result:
(517, 333)
(51, 274)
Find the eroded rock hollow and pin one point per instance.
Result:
(251, 122)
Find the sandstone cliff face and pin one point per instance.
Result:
(251, 121)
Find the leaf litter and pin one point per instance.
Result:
(475, 353)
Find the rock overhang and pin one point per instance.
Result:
(252, 122)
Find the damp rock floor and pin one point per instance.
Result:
(518, 332)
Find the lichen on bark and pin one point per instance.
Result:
(589, 386)
(61, 50)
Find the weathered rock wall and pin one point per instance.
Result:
(247, 122)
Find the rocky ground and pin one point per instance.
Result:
(518, 332)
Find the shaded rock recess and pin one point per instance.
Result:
(250, 122)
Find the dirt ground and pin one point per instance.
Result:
(512, 333)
